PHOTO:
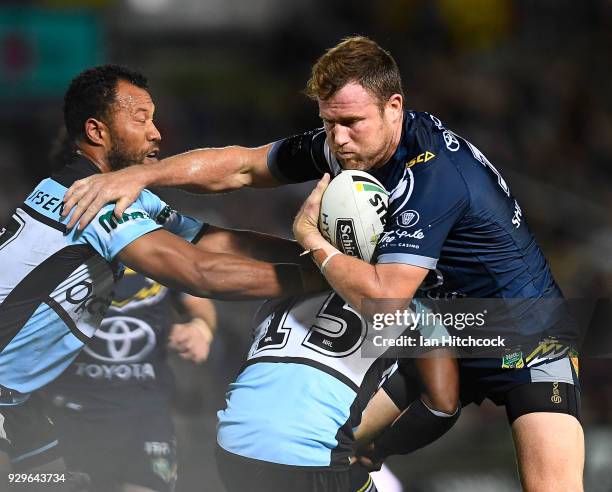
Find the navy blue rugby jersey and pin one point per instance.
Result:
(56, 286)
(450, 211)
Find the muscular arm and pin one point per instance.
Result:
(202, 170)
(212, 170)
(178, 264)
(386, 287)
(387, 430)
(255, 245)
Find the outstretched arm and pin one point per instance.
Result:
(178, 264)
(202, 170)
(214, 169)
(255, 245)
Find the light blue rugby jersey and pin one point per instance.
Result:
(55, 287)
(304, 385)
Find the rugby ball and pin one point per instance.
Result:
(353, 213)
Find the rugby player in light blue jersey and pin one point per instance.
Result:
(294, 413)
(56, 285)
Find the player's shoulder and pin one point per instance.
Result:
(430, 133)
(445, 151)
(78, 168)
(430, 147)
(478, 174)
(109, 234)
(148, 195)
(142, 213)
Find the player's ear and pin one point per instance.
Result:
(394, 106)
(96, 132)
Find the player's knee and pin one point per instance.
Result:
(442, 402)
(442, 399)
(443, 396)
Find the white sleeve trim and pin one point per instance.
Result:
(408, 259)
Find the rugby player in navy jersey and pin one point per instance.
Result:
(111, 408)
(56, 285)
(451, 212)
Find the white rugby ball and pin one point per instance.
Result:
(353, 213)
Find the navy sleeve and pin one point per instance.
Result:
(299, 158)
(421, 218)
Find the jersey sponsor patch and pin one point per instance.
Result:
(408, 218)
(109, 222)
(423, 157)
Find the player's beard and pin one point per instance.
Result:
(119, 157)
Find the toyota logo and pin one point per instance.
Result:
(121, 339)
(451, 141)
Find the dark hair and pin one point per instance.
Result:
(63, 150)
(355, 59)
(92, 93)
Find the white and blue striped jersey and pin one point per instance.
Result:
(304, 385)
(55, 285)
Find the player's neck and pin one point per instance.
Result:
(97, 160)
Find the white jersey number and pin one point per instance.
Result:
(337, 329)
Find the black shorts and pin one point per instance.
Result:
(551, 385)
(241, 474)
(115, 449)
(27, 434)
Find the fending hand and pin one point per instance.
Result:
(87, 196)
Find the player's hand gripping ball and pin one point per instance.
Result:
(353, 213)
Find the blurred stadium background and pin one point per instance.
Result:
(528, 82)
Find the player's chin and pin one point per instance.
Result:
(354, 165)
(150, 160)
